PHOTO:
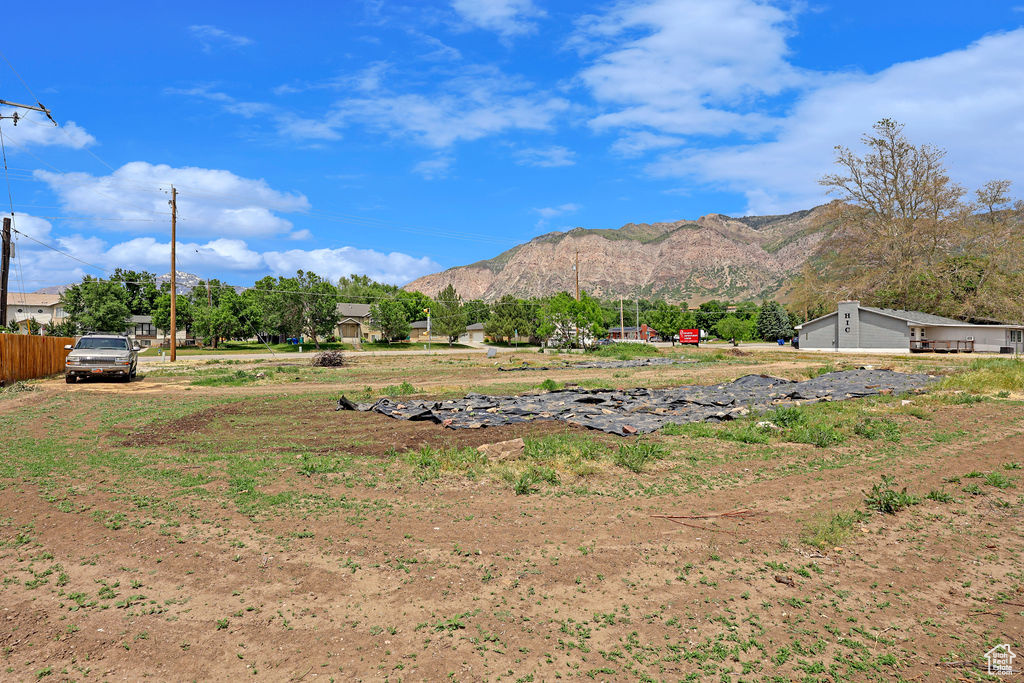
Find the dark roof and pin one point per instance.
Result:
(474, 327)
(419, 325)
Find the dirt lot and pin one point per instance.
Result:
(220, 520)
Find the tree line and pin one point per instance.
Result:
(306, 305)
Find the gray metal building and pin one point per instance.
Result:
(853, 327)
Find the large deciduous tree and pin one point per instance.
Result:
(906, 236)
(389, 316)
(568, 322)
(449, 316)
(97, 306)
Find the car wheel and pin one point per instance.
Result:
(70, 379)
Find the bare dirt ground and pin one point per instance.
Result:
(175, 530)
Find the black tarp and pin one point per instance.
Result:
(641, 411)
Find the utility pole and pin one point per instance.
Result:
(577, 269)
(622, 323)
(5, 236)
(174, 266)
(5, 267)
(638, 319)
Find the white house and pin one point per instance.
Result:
(45, 308)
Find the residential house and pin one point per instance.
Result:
(355, 325)
(474, 334)
(45, 308)
(852, 327)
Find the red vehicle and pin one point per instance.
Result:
(689, 337)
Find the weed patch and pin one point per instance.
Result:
(883, 497)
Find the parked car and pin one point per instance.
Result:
(102, 355)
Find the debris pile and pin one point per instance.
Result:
(641, 411)
(328, 359)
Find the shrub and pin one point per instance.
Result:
(884, 498)
(403, 389)
(550, 385)
(328, 359)
(787, 416)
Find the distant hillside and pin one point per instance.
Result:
(713, 257)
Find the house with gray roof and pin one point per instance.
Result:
(853, 327)
(354, 324)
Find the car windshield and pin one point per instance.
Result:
(108, 343)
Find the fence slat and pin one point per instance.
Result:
(25, 356)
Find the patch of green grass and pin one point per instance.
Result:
(220, 378)
(878, 428)
(963, 398)
(820, 435)
(549, 385)
(939, 496)
(999, 480)
(988, 375)
(821, 370)
(429, 463)
(635, 456)
(828, 532)
(883, 497)
(625, 351)
(743, 431)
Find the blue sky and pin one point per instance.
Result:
(396, 139)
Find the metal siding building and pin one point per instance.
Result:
(853, 327)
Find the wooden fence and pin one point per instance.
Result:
(25, 356)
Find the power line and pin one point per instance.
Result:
(59, 251)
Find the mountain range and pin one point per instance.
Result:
(713, 257)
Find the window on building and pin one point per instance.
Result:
(144, 330)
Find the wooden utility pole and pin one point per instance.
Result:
(5, 266)
(622, 322)
(577, 269)
(174, 267)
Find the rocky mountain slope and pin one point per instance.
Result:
(713, 257)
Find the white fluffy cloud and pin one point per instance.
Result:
(210, 201)
(686, 66)
(393, 267)
(36, 266)
(35, 129)
(505, 17)
(966, 101)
